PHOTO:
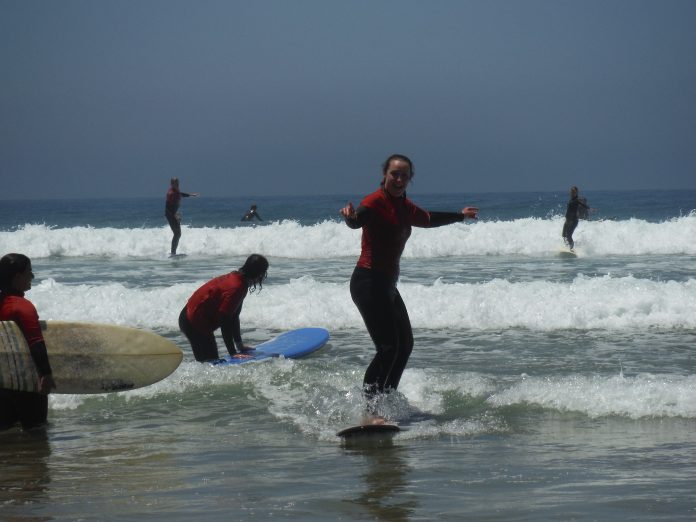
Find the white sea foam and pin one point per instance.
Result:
(330, 239)
(319, 401)
(644, 395)
(586, 303)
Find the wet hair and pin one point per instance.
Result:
(385, 165)
(574, 190)
(10, 266)
(255, 270)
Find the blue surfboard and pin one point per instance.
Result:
(291, 345)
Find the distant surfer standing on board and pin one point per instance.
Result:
(218, 304)
(572, 216)
(28, 408)
(386, 217)
(171, 211)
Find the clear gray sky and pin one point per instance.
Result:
(112, 98)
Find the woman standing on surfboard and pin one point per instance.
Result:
(386, 217)
(217, 304)
(171, 211)
(28, 408)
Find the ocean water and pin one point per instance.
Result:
(540, 388)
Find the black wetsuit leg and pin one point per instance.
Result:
(28, 408)
(176, 230)
(203, 344)
(388, 324)
(568, 229)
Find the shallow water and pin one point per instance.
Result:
(540, 388)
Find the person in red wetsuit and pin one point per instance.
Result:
(386, 217)
(218, 304)
(171, 211)
(27, 408)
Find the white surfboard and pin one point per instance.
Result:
(567, 253)
(87, 357)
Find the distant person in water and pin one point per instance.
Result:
(30, 409)
(218, 304)
(251, 214)
(572, 216)
(386, 217)
(171, 211)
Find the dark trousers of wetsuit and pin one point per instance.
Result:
(568, 229)
(27, 408)
(203, 344)
(378, 300)
(175, 225)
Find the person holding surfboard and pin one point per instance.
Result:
(386, 217)
(171, 211)
(30, 409)
(218, 304)
(572, 216)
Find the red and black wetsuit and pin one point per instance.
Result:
(386, 223)
(216, 304)
(28, 408)
(171, 212)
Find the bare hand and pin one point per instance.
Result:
(470, 212)
(348, 211)
(46, 383)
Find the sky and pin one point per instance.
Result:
(308, 97)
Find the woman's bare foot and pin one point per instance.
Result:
(374, 420)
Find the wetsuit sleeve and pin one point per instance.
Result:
(231, 333)
(185, 194)
(362, 216)
(28, 321)
(40, 358)
(438, 219)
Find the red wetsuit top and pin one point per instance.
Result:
(386, 223)
(14, 307)
(218, 298)
(385, 233)
(174, 200)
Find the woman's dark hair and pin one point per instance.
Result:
(255, 270)
(401, 157)
(10, 266)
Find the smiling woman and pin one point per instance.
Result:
(386, 217)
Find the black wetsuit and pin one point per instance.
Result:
(386, 222)
(171, 212)
(583, 209)
(251, 214)
(571, 219)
